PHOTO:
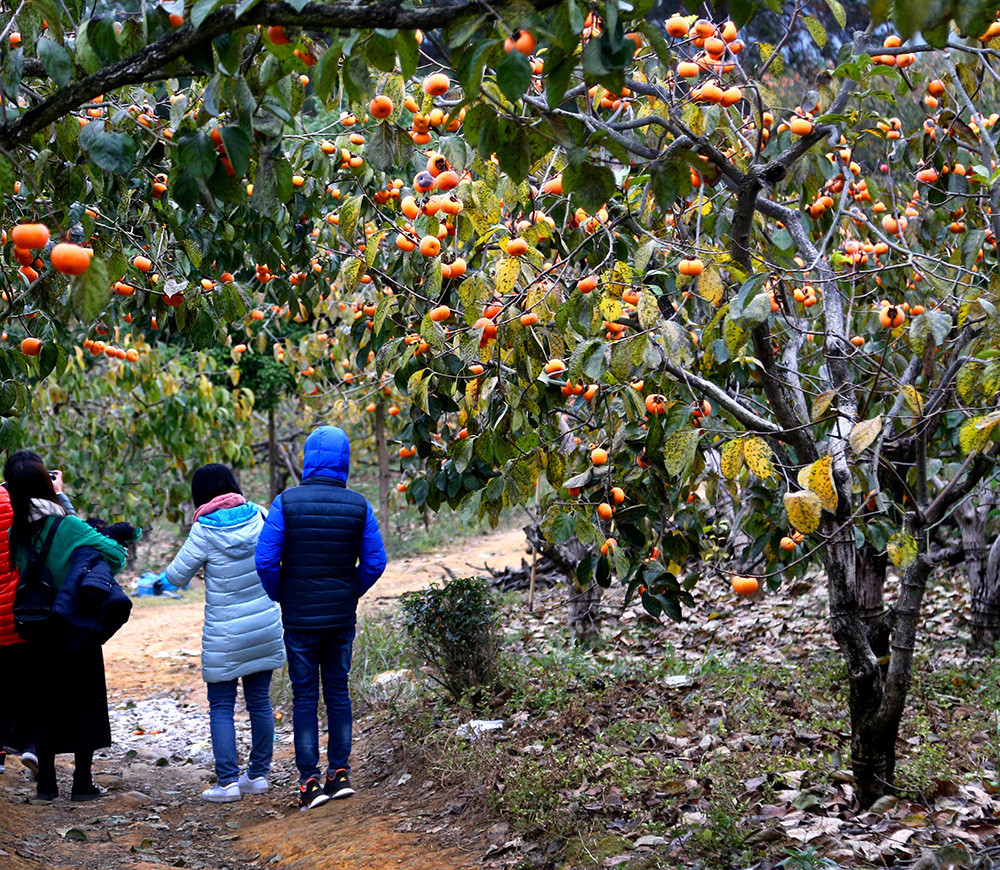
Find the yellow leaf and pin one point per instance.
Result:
(972, 438)
(913, 399)
(610, 306)
(508, 270)
(803, 476)
(732, 459)
(758, 457)
(822, 402)
(710, 285)
(821, 482)
(864, 433)
(803, 509)
(902, 550)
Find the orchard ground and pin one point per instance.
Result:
(153, 817)
(719, 742)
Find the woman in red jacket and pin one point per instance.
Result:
(16, 732)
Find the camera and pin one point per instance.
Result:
(53, 475)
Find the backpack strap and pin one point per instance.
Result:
(43, 554)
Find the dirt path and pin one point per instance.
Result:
(152, 816)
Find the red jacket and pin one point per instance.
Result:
(8, 577)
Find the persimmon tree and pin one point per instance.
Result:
(572, 243)
(128, 435)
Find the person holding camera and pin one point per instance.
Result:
(68, 691)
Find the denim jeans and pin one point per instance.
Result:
(221, 706)
(313, 655)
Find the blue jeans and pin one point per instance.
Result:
(221, 706)
(312, 655)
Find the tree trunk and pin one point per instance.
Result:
(383, 468)
(272, 457)
(986, 605)
(878, 685)
(584, 613)
(869, 584)
(982, 562)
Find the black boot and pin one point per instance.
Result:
(83, 781)
(46, 790)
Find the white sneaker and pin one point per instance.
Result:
(222, 794)
(30, 761)
(257, 785)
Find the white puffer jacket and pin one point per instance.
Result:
(242, 633)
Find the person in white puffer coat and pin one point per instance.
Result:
(242, 638)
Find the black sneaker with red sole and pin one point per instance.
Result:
(338, 786)
(311, 795)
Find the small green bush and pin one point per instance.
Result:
(456, 629)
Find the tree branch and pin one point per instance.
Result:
(150, 62)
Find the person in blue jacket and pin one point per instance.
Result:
(319, 551)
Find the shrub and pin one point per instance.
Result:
(456, 629)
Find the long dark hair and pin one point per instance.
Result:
(212, 480)
(26, 477)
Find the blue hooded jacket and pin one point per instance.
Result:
(320, 549)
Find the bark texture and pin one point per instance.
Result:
(583, 603)
(982, 563)
(383, 468)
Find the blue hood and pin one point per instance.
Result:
(230, 516)
(327, 454)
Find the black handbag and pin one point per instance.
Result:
(36, 592)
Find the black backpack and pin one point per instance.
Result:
(36, 592)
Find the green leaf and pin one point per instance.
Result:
(408, 53)
(56, 60)
(326, 73)
(13, 70)
(383, 147)
(112, 152)
(514, 75)
(89, 291)
(196, 153)
(357, 79)
(349, 213)
(909, 17)
(591, 187)
(8, 175)
(11, 434)
(238, 148)
(559, 68)
(202, 9)
(381, 52)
